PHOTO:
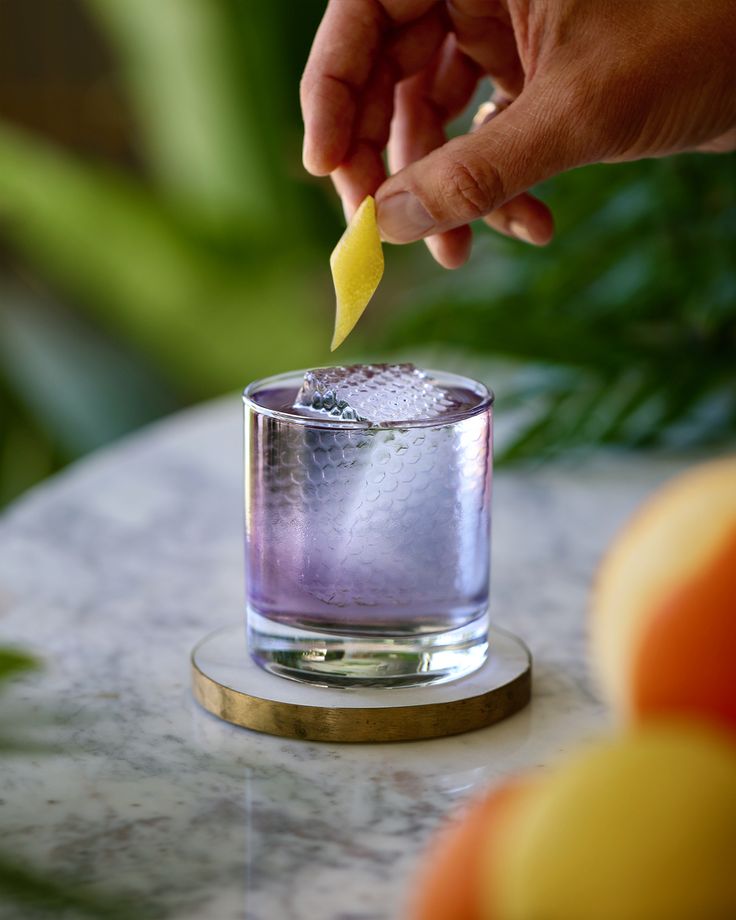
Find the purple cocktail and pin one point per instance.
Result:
(368, 524)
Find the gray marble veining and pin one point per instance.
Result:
(113, 570)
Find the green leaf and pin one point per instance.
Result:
(98, 230)
(39, 891)
(151, 279)
(200, 132)
(14, 663)
(27, 454)
(51, 356)
(629, 312)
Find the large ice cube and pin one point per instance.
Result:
(375, 393)
(388, 483)
(364, 490)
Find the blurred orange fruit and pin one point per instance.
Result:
(641, 828)
(663, 623)
(457, 864)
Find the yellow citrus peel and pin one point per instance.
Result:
(357, 268)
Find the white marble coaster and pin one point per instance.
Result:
(229, 684)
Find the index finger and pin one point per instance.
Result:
(345, 48)
(344, 53)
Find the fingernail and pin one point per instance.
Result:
(402, 218)
(308, 159)
(520, 231)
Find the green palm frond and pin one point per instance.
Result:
(624, 328)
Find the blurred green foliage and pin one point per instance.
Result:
(206, 271)
(35, 892)
(624, 330)
(211, 268)
(12, 663)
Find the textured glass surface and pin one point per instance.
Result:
(369, 529)
(376, 393)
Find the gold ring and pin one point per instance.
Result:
(488, 110)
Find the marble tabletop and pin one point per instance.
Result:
(111, 571)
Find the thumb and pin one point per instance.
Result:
(473, 175)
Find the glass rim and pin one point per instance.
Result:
(486, 399)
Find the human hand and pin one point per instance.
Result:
(590, 81)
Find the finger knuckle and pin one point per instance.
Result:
(470, 188)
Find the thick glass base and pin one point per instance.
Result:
(367, 661)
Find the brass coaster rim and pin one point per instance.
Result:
(370, 724)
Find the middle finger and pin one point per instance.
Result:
(423, 104)
(406, 50)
